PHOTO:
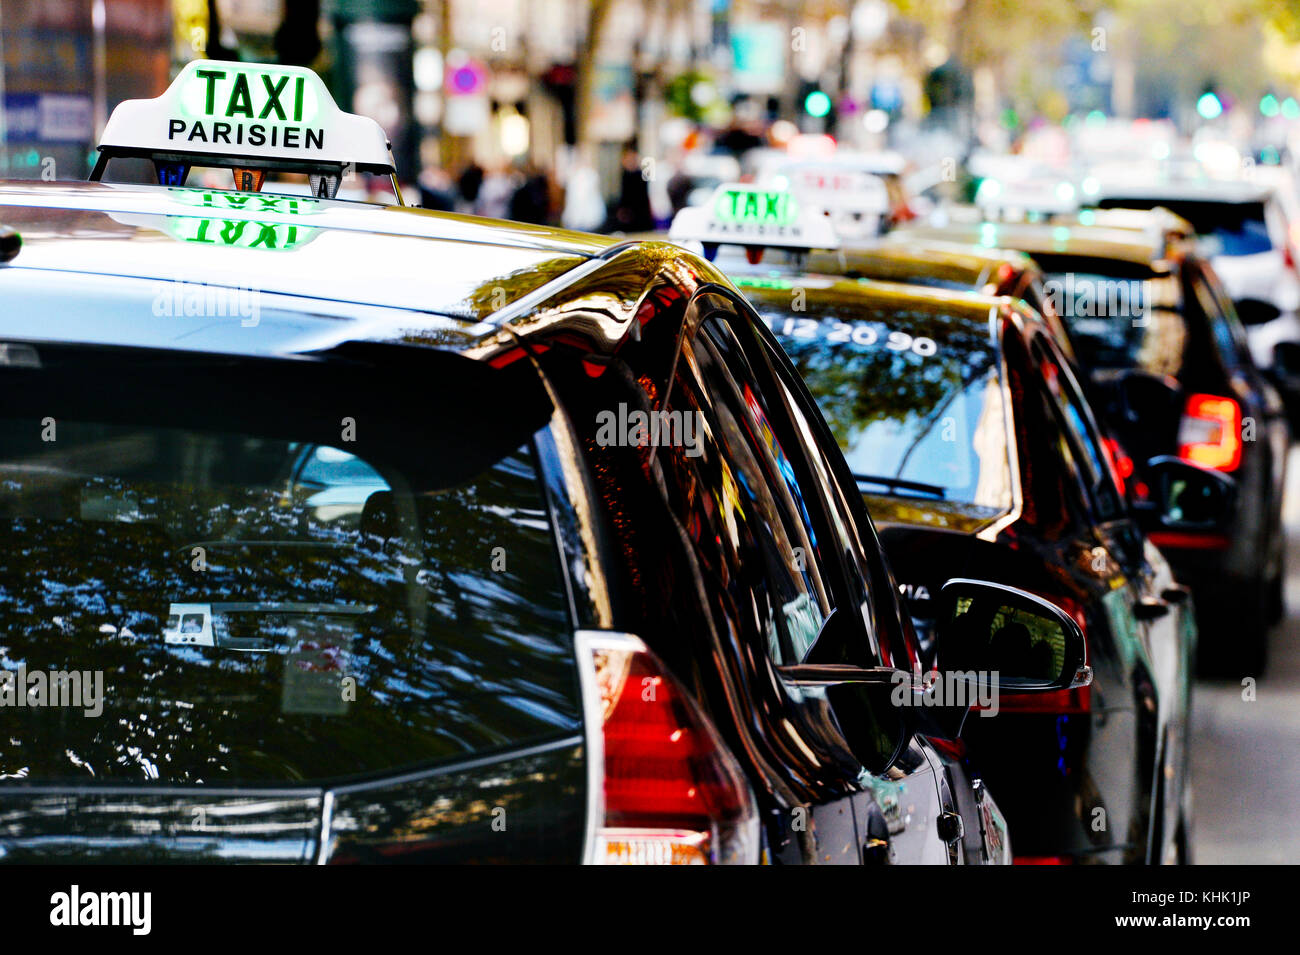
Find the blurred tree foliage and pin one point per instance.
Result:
(1176, 48)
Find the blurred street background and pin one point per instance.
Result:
(1245, 774)
(610, 115)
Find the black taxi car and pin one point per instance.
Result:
(1169, 369)
(969, 436)
(342, 532)
(902, 257)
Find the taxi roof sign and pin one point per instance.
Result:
(242, 115)
(756, 217)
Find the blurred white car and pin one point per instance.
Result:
(1244, 229)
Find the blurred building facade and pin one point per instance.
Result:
(63, 66)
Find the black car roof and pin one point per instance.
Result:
(387, 272)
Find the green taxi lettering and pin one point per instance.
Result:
(248, 201)
(753, 206)
(242, 233)
(266, 100)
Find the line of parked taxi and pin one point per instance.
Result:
(400, 536)
(1067, 406)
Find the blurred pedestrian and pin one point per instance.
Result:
(437, 190)
(531, 202)
(679, 189)
(468, 184)
(631, 213)
(499, 185)
(584, 209)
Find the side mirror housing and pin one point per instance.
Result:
(1186, 497)
(1008, 640)
(1253, 311)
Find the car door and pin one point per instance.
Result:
(1119, 535)
(1158, 611)
(902, 813)
(1261, 402)
(764, 569)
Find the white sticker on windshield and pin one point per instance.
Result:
(862, 334)
(314, 670)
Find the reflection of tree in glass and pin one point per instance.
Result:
(855, 385)
(453, 658)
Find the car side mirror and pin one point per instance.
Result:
(1185, 497)
(1253, 311)
(1006, 639)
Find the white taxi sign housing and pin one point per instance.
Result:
(222, 113)
(856, 201)
(754, 216)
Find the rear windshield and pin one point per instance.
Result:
(1116, 318)
(913, 398)
(1225, 228)
(241, 582)
(1156, 344)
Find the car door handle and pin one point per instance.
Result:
(1150, 608)
(1176, 594)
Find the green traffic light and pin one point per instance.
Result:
(1209, 106)
(817, 104)
(1268, 105)
(1290, 108)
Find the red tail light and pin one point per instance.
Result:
(664, 790)
(1042, 860)
(1210, 433)
(1122, 463)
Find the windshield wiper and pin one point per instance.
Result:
(898, 484)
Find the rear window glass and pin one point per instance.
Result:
(238, 601)
(1112, 322)
(914, 400)
(1225, 228)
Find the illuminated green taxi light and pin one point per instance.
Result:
(255, 202)
(239, 233)
(749, 281)
(756, 207)
(242, 112)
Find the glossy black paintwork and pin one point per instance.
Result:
(1051, 772)
(1238, 584)
(667, 578)
(658, 544)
